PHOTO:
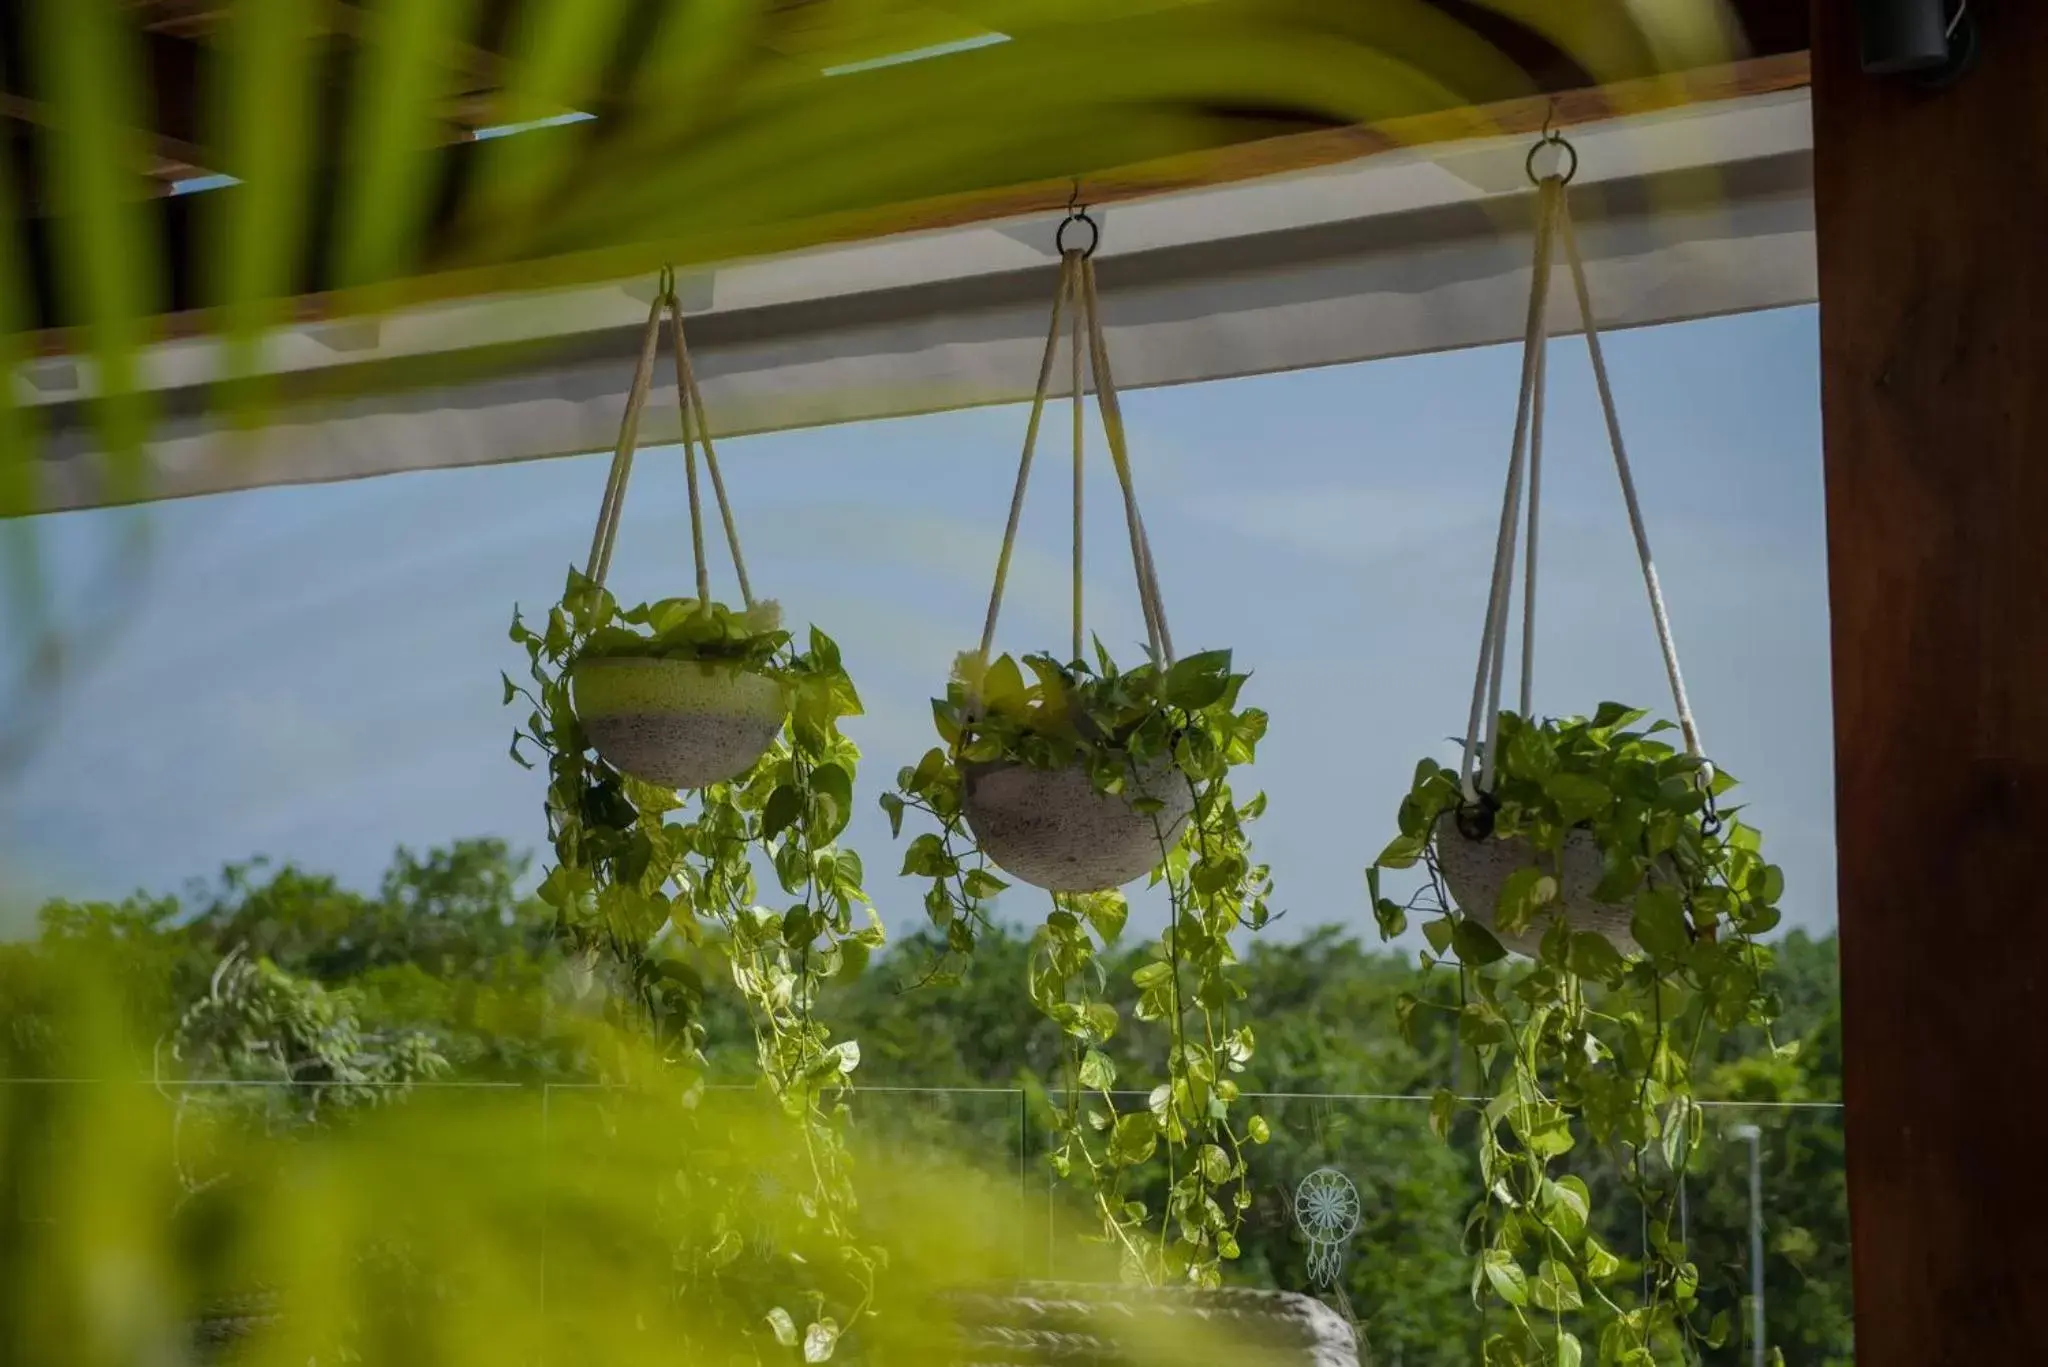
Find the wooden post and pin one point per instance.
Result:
(1933, 232)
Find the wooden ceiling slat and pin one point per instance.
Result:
(175, 35)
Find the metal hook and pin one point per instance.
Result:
(1059, 239)
(1077, 212)
(1710, 811)
(1568, 155)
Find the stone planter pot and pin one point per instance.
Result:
(676, 723)
(1474, 871)
(1053, 1323)
(1037, 1324)
(1051, 829)
(223, 1327)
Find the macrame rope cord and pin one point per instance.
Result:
(1665, 641)
(1531, 405)
(683, 414)
(1111, 406)
(622, 455)
(695, 406)
(689, 408)
(1554, 229)
(1486, 683)
(1080, 447)
(1052, 341)
(1077, 289)
(1535, 521)
(1161, 638)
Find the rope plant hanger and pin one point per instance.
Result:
(1076, 776)
(1057, 827)
(678, 707)
(1474, 867)
(1597, 849)
(1058, 792)
(629, 707)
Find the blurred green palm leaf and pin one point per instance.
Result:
(638, 1222)
(348, 135)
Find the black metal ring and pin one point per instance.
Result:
(665, 283)
(1475, 819)
(1567, 150)
(1059, 239)
(1710, 813)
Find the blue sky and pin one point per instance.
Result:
(311, 673)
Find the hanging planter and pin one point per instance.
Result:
(651, 884)
(685, 692)
(1078, 776)
(1521, 835)
(1477, 869)
(1075, 778)
(680, 721)
(681, 737)
(1069, 1324)
(1053, 828)
(1597, 848)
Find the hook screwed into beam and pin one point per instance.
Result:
(1077, 212)
(1567, 168)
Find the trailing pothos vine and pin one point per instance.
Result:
(646, 883)
(1136, 734)
(1592, 1042)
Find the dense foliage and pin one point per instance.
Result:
(1182, 724)
(302, 1045)
(679, 629)
(468, 1225)
(1587, 1046)
(637, 865)
(447, 947)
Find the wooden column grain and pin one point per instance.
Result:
(1932, 216)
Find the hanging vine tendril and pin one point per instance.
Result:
(1599, 851)
(1138, 735)
(647, 885)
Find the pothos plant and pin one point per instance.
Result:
(1124, 729)
(686, 629)
(646, 883)
(1588, 1043)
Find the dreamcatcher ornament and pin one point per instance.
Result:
(1326, 1210)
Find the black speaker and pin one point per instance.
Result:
(1904, 35)
(1932, 42)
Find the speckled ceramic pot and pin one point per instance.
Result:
(676, 723)
(1078, 1324)
(1050, 828)
(1474, 871)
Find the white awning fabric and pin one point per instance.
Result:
(1684, 214)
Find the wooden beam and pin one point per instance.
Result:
(1227, 164)
(173, 35)
(1934, 343)
(171, 70)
